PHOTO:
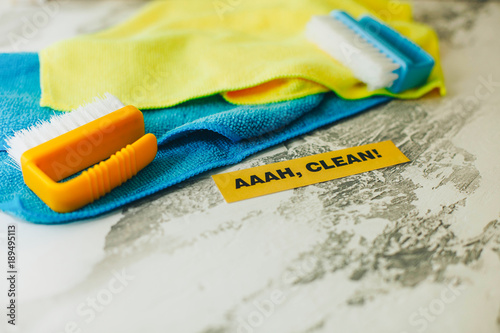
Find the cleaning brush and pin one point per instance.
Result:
(375, 53)
(51, 151)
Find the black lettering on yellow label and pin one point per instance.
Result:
(266, 179)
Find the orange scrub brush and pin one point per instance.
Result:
(104, 131)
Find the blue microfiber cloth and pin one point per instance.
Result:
(194, 137)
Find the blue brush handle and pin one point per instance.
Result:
(415, 63)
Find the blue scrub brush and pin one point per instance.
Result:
(376, 54)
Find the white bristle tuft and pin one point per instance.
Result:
(366, 62)
(59, 124)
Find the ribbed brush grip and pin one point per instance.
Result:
(112, 173)
(120, 167)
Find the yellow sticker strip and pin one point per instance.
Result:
(276, 177)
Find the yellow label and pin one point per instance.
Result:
(276, 177)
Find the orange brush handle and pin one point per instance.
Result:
(74, 151)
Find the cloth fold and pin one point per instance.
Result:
(253, 52)
(194, 137)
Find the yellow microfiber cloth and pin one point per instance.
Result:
(251, 51)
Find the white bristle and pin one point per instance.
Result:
(366, 62)
(59, 124)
